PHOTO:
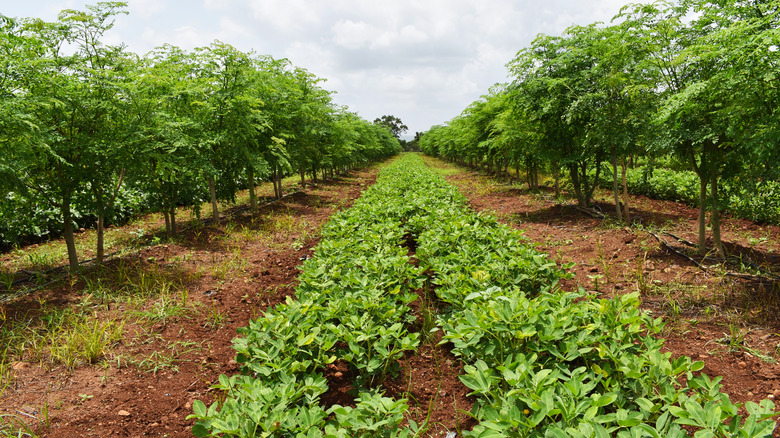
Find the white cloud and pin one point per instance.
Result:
(423, 61)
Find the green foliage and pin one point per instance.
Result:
(539, 361)
(93, 131)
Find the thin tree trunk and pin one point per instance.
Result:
(615, 187)
(173, 219)
(100, 233)
(252, 193)
(302, 171)
(557, 178)
(167, 222)
(702, 214)
(70, 241)
(214, 206)
(575, 180)
(716, 240)
(626, 215)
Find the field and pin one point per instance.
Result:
(134, 347)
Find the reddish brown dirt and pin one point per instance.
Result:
(704, 309)
(236, 278)
(116, 398)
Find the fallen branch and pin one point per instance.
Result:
(592, 212)
(770, 280)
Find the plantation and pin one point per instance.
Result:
(203, 243)
(539, 360)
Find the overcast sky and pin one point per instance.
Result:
(423, 61)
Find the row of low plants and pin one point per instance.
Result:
(546, 362)
(351, 307)
(758, 201)
(540, 361)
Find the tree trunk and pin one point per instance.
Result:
(167, 222)
(252, 193)
(173, 219)
(702, 214)
(716, 216)
(100, 233)
(615, 186)
(214, 206)
(575, 181)
(626, 215)
(70, 241)
(557, 179)
(279, 182)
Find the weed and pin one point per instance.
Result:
(158, 361)
(606, 266)
(167, 306)
(83, 340)
(215, 318)
(13, 426)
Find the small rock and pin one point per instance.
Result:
(232, 362)
(29, 410)
(18, 366)
(771, 396)
(750, 394)
(154, 424)
(776, 393)
(743, 364)
(188, 406)
(338, 374)
(124, 413)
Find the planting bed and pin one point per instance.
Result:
(410, 315)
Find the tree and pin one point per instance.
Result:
(393, 124)
(74, 152)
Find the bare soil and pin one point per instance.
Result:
(236, 270)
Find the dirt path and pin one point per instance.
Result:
(173, 347)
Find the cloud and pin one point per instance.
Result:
(423, 61)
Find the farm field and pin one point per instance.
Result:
(178, 303)
(172, 345)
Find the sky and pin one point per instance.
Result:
(423, 61)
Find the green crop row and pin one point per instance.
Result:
(351, 307)
(546, 362)
(758, 201)
(539, 361)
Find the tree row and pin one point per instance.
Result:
(84, 123)
(693, 81)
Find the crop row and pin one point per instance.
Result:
(539, 361)
(351, 307)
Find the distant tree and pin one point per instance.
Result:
(393, 124)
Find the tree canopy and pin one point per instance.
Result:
(83, 130)
(695, 80)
